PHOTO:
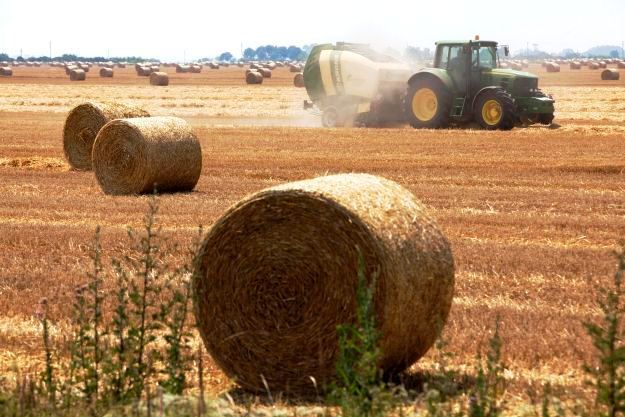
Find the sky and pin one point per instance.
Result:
(180, 30)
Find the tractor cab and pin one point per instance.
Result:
(466, 83)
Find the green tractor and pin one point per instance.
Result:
(465, 84)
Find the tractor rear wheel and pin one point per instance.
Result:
(427, 104)
(494, 109)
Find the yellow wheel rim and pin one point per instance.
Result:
(492, 112)
(424, 104)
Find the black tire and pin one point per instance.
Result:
(504, 116)
(545, 118)
(440, 118)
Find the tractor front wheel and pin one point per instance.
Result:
(494, 109)
(427, 104)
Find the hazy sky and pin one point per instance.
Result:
(166, 29)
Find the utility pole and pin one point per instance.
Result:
(21, 54)
(50, 50)
(184, 56)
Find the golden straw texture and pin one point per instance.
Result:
(278, 274)
(134, 156)
(83, 124)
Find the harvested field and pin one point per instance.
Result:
(532, 214)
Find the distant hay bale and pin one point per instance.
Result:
(575, 65)
(77, 75)
(298, 80)
(135, 156)
(603, 64)
(593, 66)
(159, 78)
(182, 68)
(552, 67)
(266, 73)
(254, 77)
(213, 65)
(254, 66)
(143, 71)
(620, 65)
(294, 68)
(517, 66)
(69, 68)
(83, 124)
(610, 75)
(154, 68)
(84, 67)
(289, 256)
(6, 71)
(504, 65)
(196, 69)
(120, 65)
(106, 72)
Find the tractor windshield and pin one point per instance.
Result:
(485, 57)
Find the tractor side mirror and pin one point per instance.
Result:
(506, 50)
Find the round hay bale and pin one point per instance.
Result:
(83, 124)
(279, 272)
(70, 68)
(575, 65)
(144, 71)
(6, 71)
(133, 156)
(196, 69)
(159, 78)
(620, 65)
(120, 65)
(294, 68)
(77, 75)
(84, 67)
(182, 68)
(552, 67)
(593, 66)
(254, 66)
(154, 68)
(254, 77)
(106, 72)
(298, 80)
(266, 73)
(603, 64)
(610, 75)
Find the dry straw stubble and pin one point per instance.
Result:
(139, 155)
(83, 124)
(279, 269)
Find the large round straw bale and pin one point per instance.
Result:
(77, 75)
(610, 74)
(552, 67)
(298, 80)
(6, 71)
(120, 65)
(575, 65)
(196, 69)
(266, 73)
(144, 71)
(139, 155)
(69, 68)
(159, 78)
(84, 67)
(106, 72)
(83, 124)
(279, 272)
(254, 77)
(620, 65)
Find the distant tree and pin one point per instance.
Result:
(614, 54)
(249, 53)
(20, 58)
(4, 57)
(261, 53)
(226, 56)
(293, 53)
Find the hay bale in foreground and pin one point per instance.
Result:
(83, 124)
(6, 71)
(552, 67)
(106, 72)
(135, 156)
(610, 75)
(298, 80)
(254, 77)
(77, 75)
(278, 274)
(159, 78)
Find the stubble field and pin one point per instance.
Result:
(533, 214)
